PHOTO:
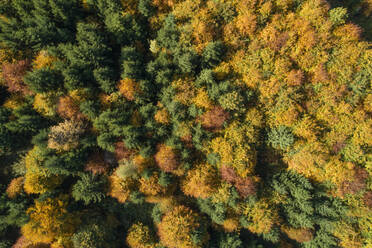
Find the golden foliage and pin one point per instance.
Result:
(295, 78)
(13, 101)
(202, 99)
(185, 90)
(162, 116)
(45, 104)
(79, 95)
(300, 235)
(246, 23)
(260, 216)
(201, 181)
(231, 225)
(308, 159)
(120, 189)
(23, 242)
(349, 237)
(166, 158)
(15, 187)
(139, 236)
(151, 186)
(348, 32)
(222, 70)
(204, 29)
(49, 220)
(222, 193)
(130, 6)
(43, 59)
(37, 179)
(142, 162)
(176, 227)
(234, 150)
(337, 171)
(129, 88)
(306, 128)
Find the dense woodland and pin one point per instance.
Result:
(185, 124)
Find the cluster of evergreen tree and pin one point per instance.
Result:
(185, 124)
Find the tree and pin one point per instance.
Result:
(68, 108)
(89, 189)
(298, 209)
(214, 118)
(338, 15)
(44, 80)
(50, 21)
(65, 136)
(201, 181)
(140, 236)
(90, 108)
(13, 76)
(145, 8)
(15, 187)
(213, 54)
(38, 179)
(49, 220)
(95, 232)
(131, 63)
(281, 137)
(89, 236)
(87, 59)
(179, 227)
(119, 188)
(26, 121)
(129, 88)
(168, 35)
(96, 164)
(166, 158)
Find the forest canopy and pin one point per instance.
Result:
(185, 123)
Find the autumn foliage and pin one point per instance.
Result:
(185, 123)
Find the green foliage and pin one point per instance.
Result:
(89, 189)
(157, 214)
(126, 169)
(90, 109)
(216, 211)
(26, 121)
(281, 137)
(168, 35)
(131, 63)
(145, 8)
(213, 54)
(137, 197)
(95, 232)
(106, 141)
(338, 15)
(226, 240)
(37, 24)
(87, 61)
(270, 99)
(44, 80)
(298, 207)
(186, 59)
(165, 179)
(12, 212)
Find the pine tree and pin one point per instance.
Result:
(89, 188)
